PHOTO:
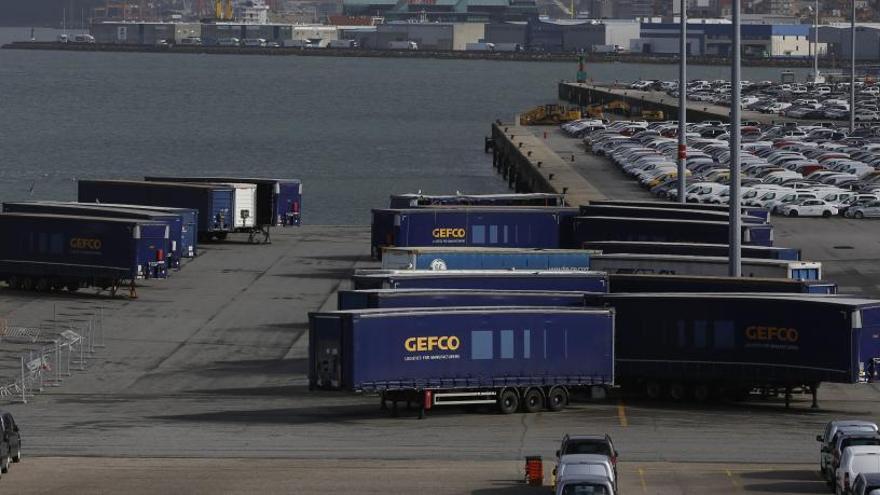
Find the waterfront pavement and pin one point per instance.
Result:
(201, 388)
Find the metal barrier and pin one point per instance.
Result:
(55, 356)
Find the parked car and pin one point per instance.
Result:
(825, 439)
(865, 484)
(578, 465)
(578, 485)
(866, 210)
(855, 460)
(588, 444)
(808, 208)
(844, 439)
(11, 435)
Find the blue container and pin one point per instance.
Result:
(462, 348)
(452, 258)
(565, 281)
(279, 201)
(174, 221)
(588, 229)
(214, 203)
(520, 227)
(691, 248)
(431, 298)
(740, 341)
(77, 251)
(415, 200)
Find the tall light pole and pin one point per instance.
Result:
(816, 46)
(682, 104)
(735, 232)
(852, 68)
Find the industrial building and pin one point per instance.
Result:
(714, 39)
(564, 35)
(444, 10)
(143, 33)
(428, 36)
(838, 40)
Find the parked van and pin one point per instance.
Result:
(229, 42)
(342, 44)
(254, 42)
(83, 38)
(191, 41)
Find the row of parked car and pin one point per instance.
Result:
(789, 169)
(849, 457)
(586, 464)
(795, 100)
(10, 442)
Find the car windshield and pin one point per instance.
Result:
(587, 447)
(852, 442)
(584, 489)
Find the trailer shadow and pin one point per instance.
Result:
(800, 405)
(329, 274)
(511, 488)
(85, 294)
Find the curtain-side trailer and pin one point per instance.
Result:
(515, 358)
(431, 298)
(574, 281)
(478, 258)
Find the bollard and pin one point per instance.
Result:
(545, 134)
(539, 164)
(550, 177)
(572, 158)
(564, 190)
(528, 153)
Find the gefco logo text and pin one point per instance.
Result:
(432, 343)
(85, 243)
(772, 334)
(448, 233)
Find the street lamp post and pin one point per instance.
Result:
(816, 45)
(682, 104)
(852, 68)
(735, 269)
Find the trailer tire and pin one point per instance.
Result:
(72, 287)
(654, 390)
(27, 283)
(702, 392)
(677, 391)
(533, 400)
(557, 398)
(508, 401)
(13, 282)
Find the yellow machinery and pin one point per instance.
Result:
(596, 110)
(223, 12)
(653, 115)
(548, 115)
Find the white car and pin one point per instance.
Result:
(865, 211)
(809, 208)
(855, 460)
(831, 429)
(592, 485)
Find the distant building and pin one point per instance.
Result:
(564, 35)
(428, 36)
(781, 7)
(838, 38)
(444, 10)
(714, 39)
(143, 33)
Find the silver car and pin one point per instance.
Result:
(871, 209)
(585, 485)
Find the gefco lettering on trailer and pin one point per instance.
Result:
(427, 344)
(85, 243)
(448, 233)
(772, 334)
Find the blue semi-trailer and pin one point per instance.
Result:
(213, 202)
(46, 252)
(279, 201)
(478, 258)
(174, 222)
(700, 345)
(692, 248)
(189, 230)
(415, 200)
(589, 229)
(751, 211)
(642, 282)
(516, 358)
(507, 226)
(431, 298)
(574, 281)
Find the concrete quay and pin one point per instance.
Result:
(584, 94)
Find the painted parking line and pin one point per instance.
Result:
(642, 480)
(732, 478)
(621, 414)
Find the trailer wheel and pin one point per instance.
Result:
(27, 283)
(533, 400)
(702, 392)
(557, 398)
(508, 401)
(677, 391)
(72, 287)
(43, 284)
(654, 390)
(13, 282)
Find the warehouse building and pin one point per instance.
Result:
(143, 33)
(428, 36)
(714, 39)
(838, 39)
(563, 35)
(424, 11)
